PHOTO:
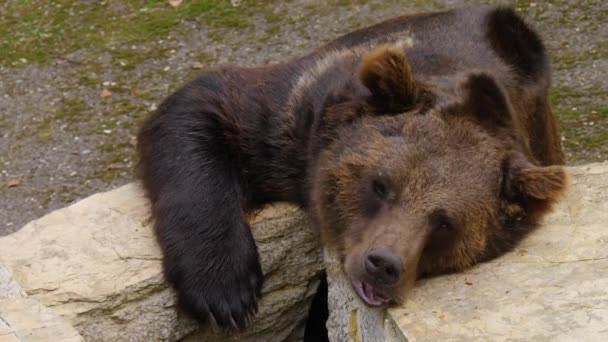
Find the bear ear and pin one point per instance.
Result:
(526, 180)
(387, 75)
(486, 102)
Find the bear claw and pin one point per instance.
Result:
(224, 296)
(220, 306)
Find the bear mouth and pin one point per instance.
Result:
(371, 295)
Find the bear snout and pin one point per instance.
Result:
(383, 266)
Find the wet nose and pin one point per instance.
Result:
(383, 266)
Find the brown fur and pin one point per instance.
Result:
(387, 74)
(464, 159)
(441, 159)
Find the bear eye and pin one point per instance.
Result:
(440, 222)
(380, 188)
(443, 232)
(375, 192)
(444, 226)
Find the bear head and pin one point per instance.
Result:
(414, 180)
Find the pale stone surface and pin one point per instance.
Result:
(8, 286)
(98, 265)
(552, 287)
(26, 320)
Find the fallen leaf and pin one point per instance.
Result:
(198, 65)
(13, 183)
(105, 93)
(135, 92)
(115, 166)
(174, 3)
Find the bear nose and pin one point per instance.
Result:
(383, 265)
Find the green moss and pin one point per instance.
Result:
(294, 19)
(203, 57)
(118, 87)
(271, 16)
(568, 60)
(71, 110)
(565, 115)
(594, 140)
(45, 135)
(560, 92)
(63, 194)
(115, 157)
(36, 30)
(585, 133)
(428, 4)
(89, 80)
(128, 58)
(311, 6)
(521, 4)
(351, 2)
(272, 30)
(112, 147)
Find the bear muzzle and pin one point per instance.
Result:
(382, 269)
(383, 266)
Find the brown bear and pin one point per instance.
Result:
(419, 146)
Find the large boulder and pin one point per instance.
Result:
(25, 319)
(97, 264)
(552, 287)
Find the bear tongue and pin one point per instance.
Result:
(370, 294)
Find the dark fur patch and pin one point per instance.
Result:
(487, 102)
(516, 43)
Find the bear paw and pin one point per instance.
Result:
(224, 293)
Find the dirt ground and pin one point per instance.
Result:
(77, 77)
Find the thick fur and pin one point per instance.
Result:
(316, 131)
(387, 74)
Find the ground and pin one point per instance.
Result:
(77, 77)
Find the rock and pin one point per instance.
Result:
(552, 287)
(25, 319)
(97, 264)
(8, 286)
(349, 318)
